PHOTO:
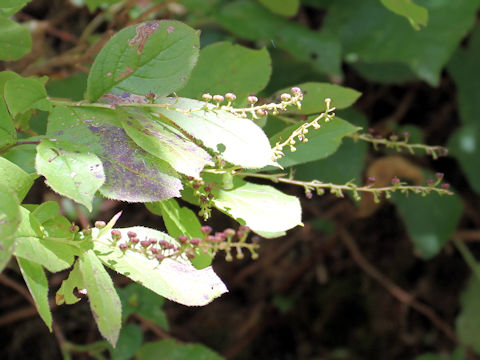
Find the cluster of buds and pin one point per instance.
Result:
(210, 243)
(300, 134)
(399, 143)
(204, 194)
(254, 110)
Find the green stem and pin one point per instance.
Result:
(467, 256)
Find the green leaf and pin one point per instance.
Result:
(155, 56)
(24, 157)
(38, 286)
(240, 141)
(104, 301)
(137, 299)
(131, 173)
(430, 220)
(8, 134)
(10, 219)
(176, 280)
(252, 21)
(345, 164)
(72, 87)
(15, 40)
(54, 225)
(464, 145)
(25, 94)
(173, 350)
(316, 93)
(65, 295)
(321, 142)
(31, 245)
(281, 7)
(371, 33)
(13, 3)
(223, 67)
(416, 15)
(15, 178)
(464, 69)
(261, 207)
(71, 170)
(181, 221)
(468, 323)
(164, 141)
(129, 341)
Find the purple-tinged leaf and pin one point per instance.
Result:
(131, 173)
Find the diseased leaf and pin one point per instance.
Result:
(173, 350)
(240, 141)
(15, 40)
(37, 284)
(464, 145)
(154, 56)
(10, 219)
(71, 170)
(321, 142)
(261, 207)
(321, 49)
(15, 178)
(176, 280)
(314, 95)
(164, 141)
(131, 173)
(24, 94)
(281, 7)
(65, 295)
(371, 33)
(416, 15)
(104, 301)
(181, 221)
(223, 67)
(31, 245)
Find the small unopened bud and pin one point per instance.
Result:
(252, 99)
(206, 229)
(219, 236)
(393, 137)
(123, 246)
(145, 243)
(182, 239)
(131, 234)
(296, 90)
(100, 224)
(229, 232)
(395, 180)
(116, 234)
(406, 134)
(134, 240)
(87, 231)
(159, 257)
(230, 96)
(74, 228)
(190, 255)
(195, 241)
(286, 97)
(150, 96)
(309, 195)
(439, 175)
(262, 112)
(371, 179)
(255, 239)
(371, 131)
(430, 182)
(218, 98)
(155, 250)
(152, 241)
(244, 228)
(207, 97)
(445, 186)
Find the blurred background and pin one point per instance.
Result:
(360, 280)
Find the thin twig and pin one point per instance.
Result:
(396, 291)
